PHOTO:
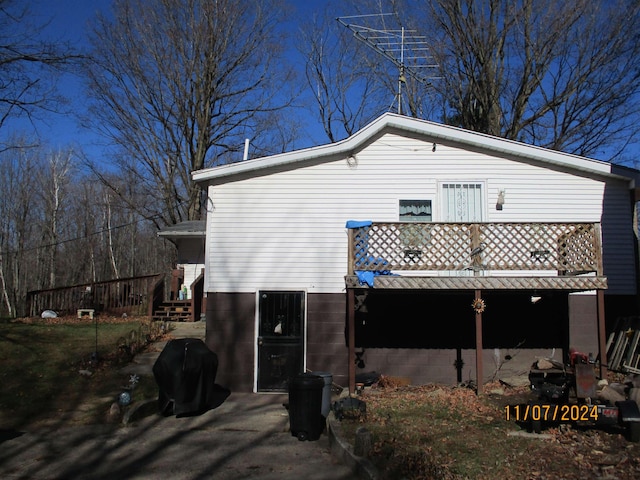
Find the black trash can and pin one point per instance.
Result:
(305, 406)
(326, 392)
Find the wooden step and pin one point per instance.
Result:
(174, 310)
(169, 313)
(172, 317)
(171, 308)
(177, 303)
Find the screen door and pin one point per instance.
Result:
(280, 338)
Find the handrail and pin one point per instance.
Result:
(156, 294)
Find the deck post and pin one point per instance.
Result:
(351, 329)
(602, 334)
(350, 252)
(479, 369)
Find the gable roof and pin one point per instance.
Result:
(423, 129)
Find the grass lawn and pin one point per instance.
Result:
(48, 368)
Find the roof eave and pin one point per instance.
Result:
(182, 234)
(436, 133)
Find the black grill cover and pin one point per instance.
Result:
(185, 372)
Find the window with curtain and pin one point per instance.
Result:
(462, 202)
(414, 238)
(415, 211)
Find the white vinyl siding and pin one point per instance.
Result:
(191, 272)
(618, 239)
(287, 230)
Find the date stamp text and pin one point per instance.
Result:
(551, 413)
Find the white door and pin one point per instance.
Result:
(462, 202)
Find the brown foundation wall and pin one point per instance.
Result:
(583, 328)
(231, 335)
(326, 345)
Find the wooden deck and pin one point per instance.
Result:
(474, 257)
(471, 256)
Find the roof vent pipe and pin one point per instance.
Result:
(246, 149)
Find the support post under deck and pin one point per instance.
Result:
(479, 369)
(351, 332)
(602, 334)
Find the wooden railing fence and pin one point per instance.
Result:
(134, 296)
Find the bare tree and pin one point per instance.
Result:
(28, 65)
(17, 223)
(344, 81)
(350, 79)
(563, 75)
(57, 230)
(178, 85)
(104, 237)
(54, 177)
(84, 215)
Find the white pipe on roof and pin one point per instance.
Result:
(246, 149)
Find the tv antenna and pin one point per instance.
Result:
(405, 48)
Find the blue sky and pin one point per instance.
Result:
(68, 22)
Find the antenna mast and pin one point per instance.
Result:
(407, 50)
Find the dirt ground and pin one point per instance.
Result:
(569, 450)
(561, 451)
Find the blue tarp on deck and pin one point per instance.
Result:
(368, 276)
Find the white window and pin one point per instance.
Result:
(462, 202)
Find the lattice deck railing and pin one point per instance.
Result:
(568, 248)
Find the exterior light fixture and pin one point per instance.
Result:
(500, 201)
